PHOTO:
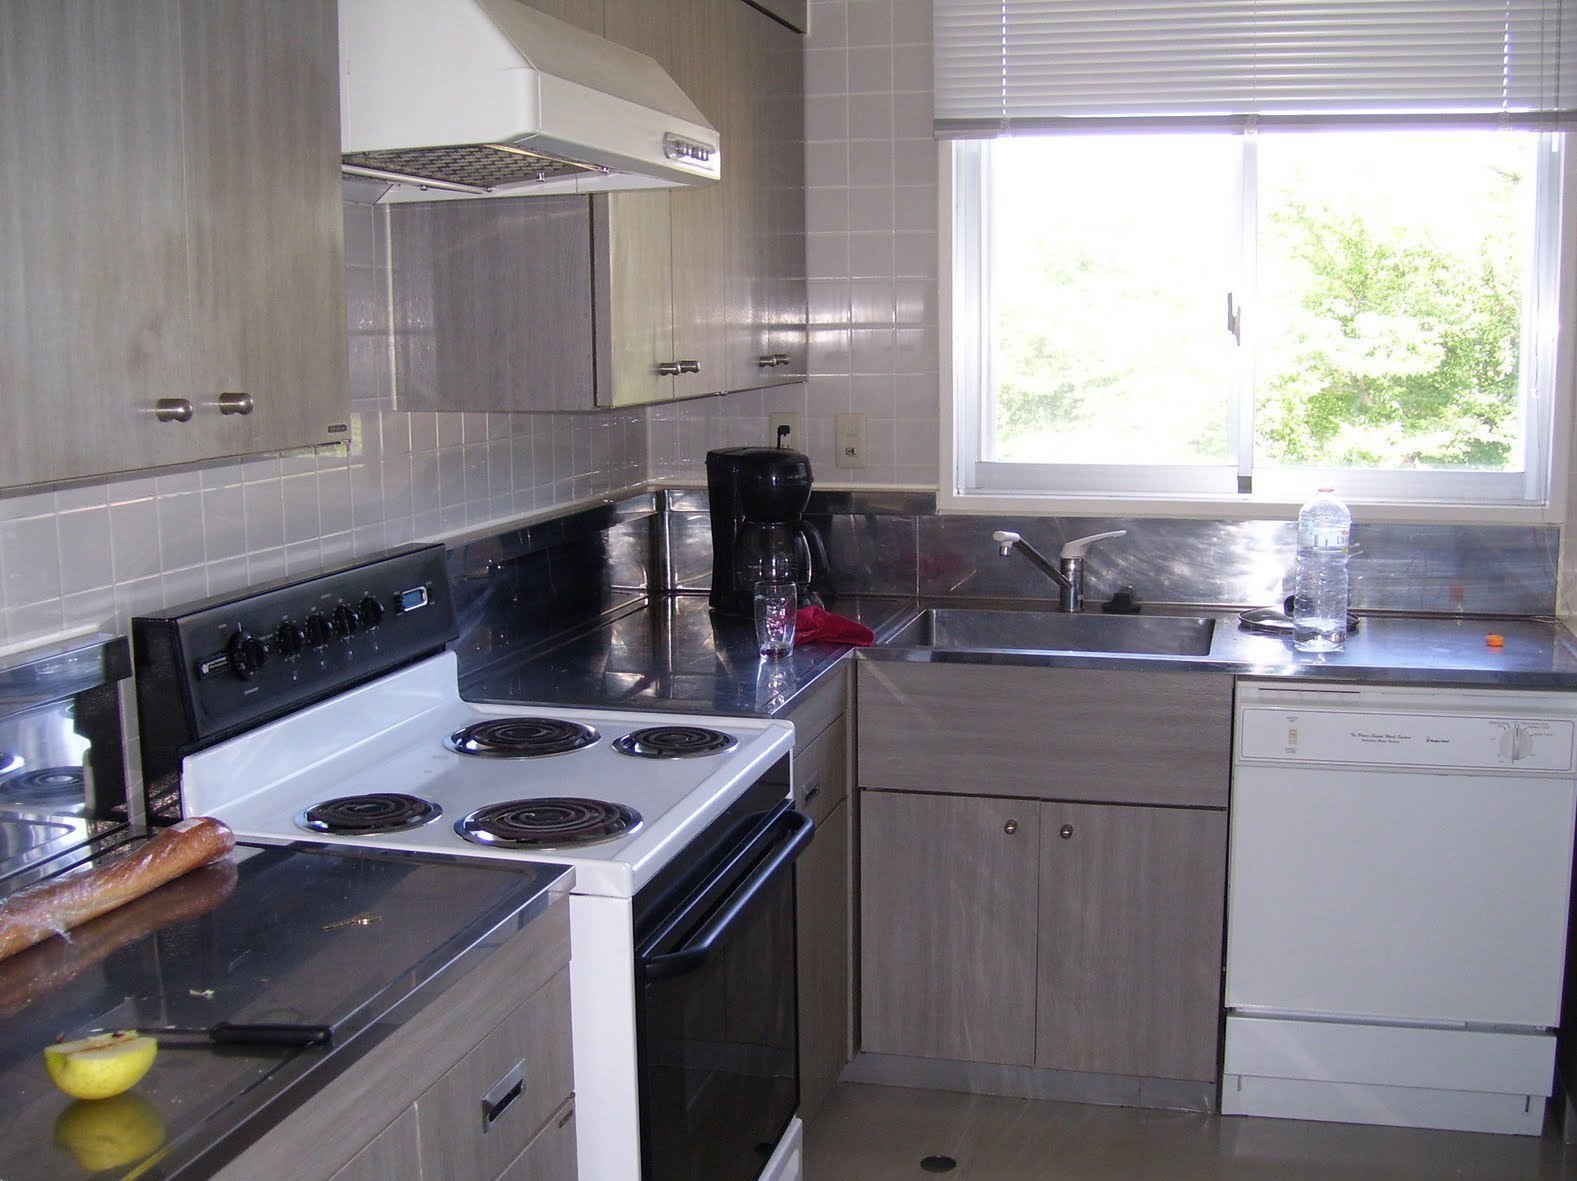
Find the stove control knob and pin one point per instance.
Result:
(346, 621)
(371, 611)
(247, 655)
(289, 639)
(318, 629)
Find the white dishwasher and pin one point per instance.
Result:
(1398, 884)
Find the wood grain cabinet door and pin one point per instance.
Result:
(947, 926)
(1130, 939)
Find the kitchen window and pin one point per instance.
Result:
(1192, 282)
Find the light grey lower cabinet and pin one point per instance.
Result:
(1042, 867)
(479, 1085)
(824, 908)
(947, 927)
(1128, 976)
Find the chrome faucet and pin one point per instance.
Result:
(1070, 577)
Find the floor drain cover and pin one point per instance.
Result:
(939, 1164)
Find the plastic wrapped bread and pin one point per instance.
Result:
(55, 907)
(51, 965)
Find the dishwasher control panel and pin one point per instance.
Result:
(1377, 727)
(1406, 740)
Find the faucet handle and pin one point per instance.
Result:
(1079, 547)
(1006, 540)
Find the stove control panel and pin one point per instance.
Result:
(215, 668)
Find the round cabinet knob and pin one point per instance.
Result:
(247, 655)
(318, 629)
(1065, 832)
(1010, 827)
(289, 638)
(173, 410)
(346, 621)
(235, 402)
(371, 611)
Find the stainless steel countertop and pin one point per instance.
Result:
(275, 946)
(675, 654)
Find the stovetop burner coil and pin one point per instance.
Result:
(57, 788)
(551, 820)
(372, 813)
(675, 742)
(521, 737)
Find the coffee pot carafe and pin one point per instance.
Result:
(757, 497)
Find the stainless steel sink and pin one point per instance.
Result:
(1050, 631)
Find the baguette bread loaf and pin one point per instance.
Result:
(42, 970)
(54, 907)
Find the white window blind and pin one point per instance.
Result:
(1024, 65)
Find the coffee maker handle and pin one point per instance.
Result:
(819, 567)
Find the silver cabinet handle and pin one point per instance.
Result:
(767, 360)
(689, 366)
(780, 358)
(1065, 832)
(235, 403)
(812, 791)
(505, 1091)
(669, 369)
(173, 409)
(1010, 827)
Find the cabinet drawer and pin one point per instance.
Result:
(1131, 736)
(821, 706)
(477, 1118)
(551, 1156)
(821, 772)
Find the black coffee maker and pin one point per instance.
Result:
(758, 497)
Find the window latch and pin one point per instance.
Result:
(1234, 319)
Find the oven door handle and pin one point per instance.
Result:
(800, 828)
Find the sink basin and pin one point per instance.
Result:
(1050, 631)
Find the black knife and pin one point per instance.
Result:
(228, 1033)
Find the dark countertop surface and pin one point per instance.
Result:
(675, 654)
(270, 935)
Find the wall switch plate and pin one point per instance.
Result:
(849, 430)
(778, 419)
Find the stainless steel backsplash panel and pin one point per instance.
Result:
(527, 587)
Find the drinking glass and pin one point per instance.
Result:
(776, 603)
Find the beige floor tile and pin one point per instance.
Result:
(869, 1133)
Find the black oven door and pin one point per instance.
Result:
(717, 1020)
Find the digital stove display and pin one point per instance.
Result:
(521, 737)
(552, 820)
(372, 813)
(674, 742)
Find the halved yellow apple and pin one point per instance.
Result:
(102, 1065)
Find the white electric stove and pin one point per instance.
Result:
(327, 711)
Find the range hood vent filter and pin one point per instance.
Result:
(468, 167)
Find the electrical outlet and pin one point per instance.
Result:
(849, 430)
(795, 423)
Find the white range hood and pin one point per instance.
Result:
(491, 98)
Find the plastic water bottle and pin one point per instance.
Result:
(1319, 608)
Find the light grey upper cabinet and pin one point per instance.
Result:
(714, 275)
(492, 304)
(172, 232)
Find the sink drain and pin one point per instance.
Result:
(939, 1164)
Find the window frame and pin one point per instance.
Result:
(1393, 497)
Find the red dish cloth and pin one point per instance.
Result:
(817, 625)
